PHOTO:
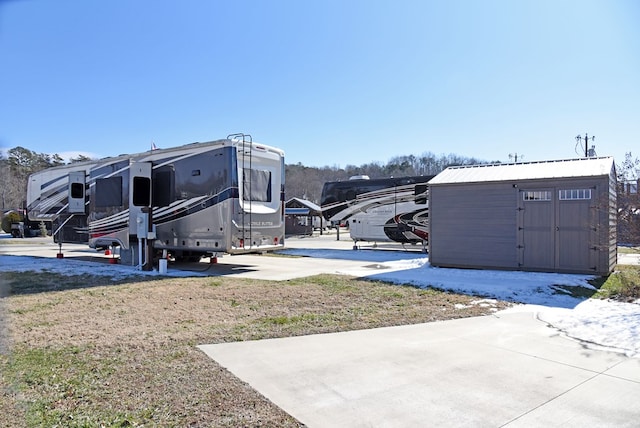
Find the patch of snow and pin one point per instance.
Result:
(79, 267)
(599, 323)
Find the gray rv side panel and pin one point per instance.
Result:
(471, 227)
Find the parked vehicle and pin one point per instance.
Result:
(378, 210)
(224, 196)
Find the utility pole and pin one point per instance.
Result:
(586, 143)
(515, 157)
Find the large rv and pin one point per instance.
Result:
(224, 196)
(379, 210)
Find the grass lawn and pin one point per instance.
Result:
(83, 351)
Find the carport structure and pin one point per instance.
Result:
(554, 216)
(301, 216)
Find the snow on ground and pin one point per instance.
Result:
(69, 266)
(609, 324)
(598, 323)
(548, 289)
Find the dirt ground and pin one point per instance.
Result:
(83, 351)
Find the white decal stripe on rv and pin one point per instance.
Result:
(364, 205)
(178, 205)
(116, 218)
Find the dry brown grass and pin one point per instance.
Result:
(95, 353)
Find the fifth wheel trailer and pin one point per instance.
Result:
(224, 196)
(378, 210)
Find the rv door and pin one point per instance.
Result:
(140, 192)
(77, 190)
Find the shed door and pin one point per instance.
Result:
(575, 229)
(556, 229)
(536, 227)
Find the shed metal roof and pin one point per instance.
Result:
(570, 168)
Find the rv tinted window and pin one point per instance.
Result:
(420, 193)
(164, 191)
(108, 192)
(256, 185)
(77, 190)
(141, 191)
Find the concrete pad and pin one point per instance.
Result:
(601, 401)
(282, 268)
(508, 369)
(252, 266)
(628, 369)
(628, 259)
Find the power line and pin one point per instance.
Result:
(514, 156)
(587, 152)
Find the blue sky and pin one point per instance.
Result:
(332, 82)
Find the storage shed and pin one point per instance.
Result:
(302, 216)
(552, 216)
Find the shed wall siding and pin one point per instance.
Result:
(611, 235)
(472, 226)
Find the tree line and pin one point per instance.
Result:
(301, 181)
(306, 182)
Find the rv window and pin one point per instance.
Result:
(77, 190)
(420, 193)
(108, 192)
(257, 185)
(141, 191)
(164, 189)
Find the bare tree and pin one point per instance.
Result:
(15, 170)
(628, 200)
(4, 181)
(80, 158)
(306, 182)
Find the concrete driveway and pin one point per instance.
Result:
(509, 369)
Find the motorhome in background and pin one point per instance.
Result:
(59, 195)
(379, 210)
(224, 196)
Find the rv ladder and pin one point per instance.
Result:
(246, 185)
